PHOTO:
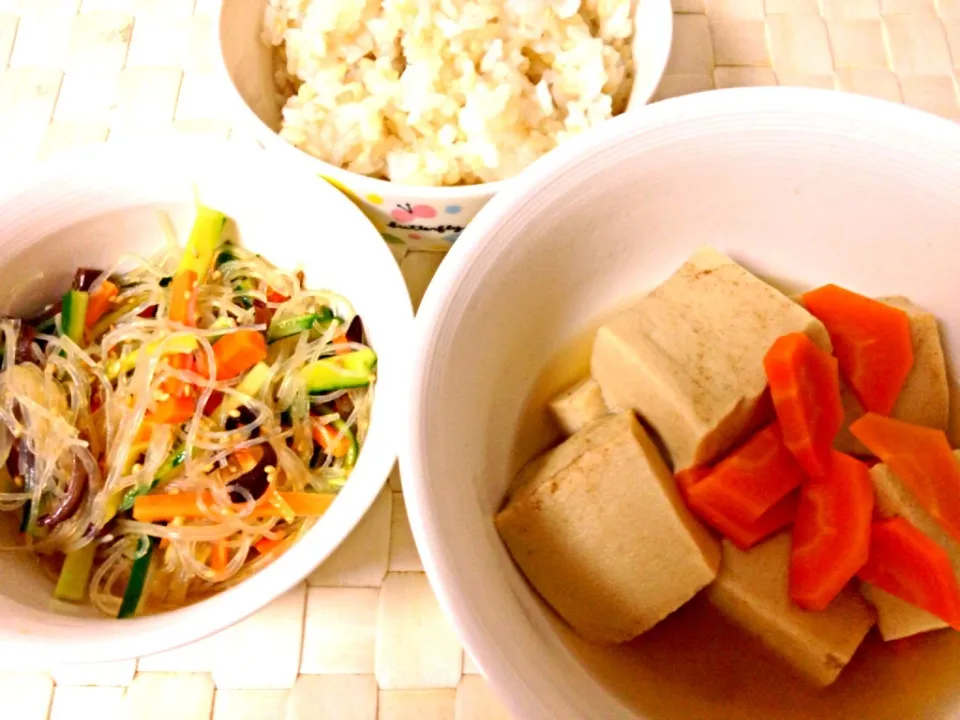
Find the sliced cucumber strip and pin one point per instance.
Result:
(203, 241)
(286, 327)
(340, 372)
(73, 316)
(169, 465)
(138, 580)
(75, 574)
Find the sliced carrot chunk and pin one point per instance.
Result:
(831, 535)
(805, 388)
(686, 479)
(750, 480)
(746, 535)
(870, 339)
(906, 563)
(921, 457)
(742, 534)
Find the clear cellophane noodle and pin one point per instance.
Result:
(70, 408)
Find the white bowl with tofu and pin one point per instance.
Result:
(579, 346)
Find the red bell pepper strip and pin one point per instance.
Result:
(871, 340)
(831, 535)
(805, 388)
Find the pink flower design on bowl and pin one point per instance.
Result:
(406, 212)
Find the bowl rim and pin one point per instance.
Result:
(107, 166)
(523, 689)
(661, 10)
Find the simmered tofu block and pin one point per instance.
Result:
(578, 405)
(601, 533)
(688, 357)
(752, 590)
(896, 618)
(925, 397)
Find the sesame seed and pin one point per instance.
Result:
(208, 468)
(269, 469)
(18, 480)
(186, 294)
(234, 413)
(137, 467)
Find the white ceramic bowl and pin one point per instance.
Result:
(93, 206)
(421, 217)
(803, 186)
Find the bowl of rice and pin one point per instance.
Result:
(420, 111)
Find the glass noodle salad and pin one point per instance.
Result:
(168, 430)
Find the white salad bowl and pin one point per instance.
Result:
(92, 207)
(802, 186)
(427, 218)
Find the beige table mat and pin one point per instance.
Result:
(363, 638)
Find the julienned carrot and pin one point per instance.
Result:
(183, 298)
(172, 409)
(176, 401)
(831, 535)
(237, 352)
(805, 389)
(219, 556)
(144, 432)
(151, 508)
(870, 339)
(99, 302)
(922, 459)
(906, 563)
(750, 480)
(265, 545)
(331, 440)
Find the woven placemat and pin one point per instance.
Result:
(364, 638)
